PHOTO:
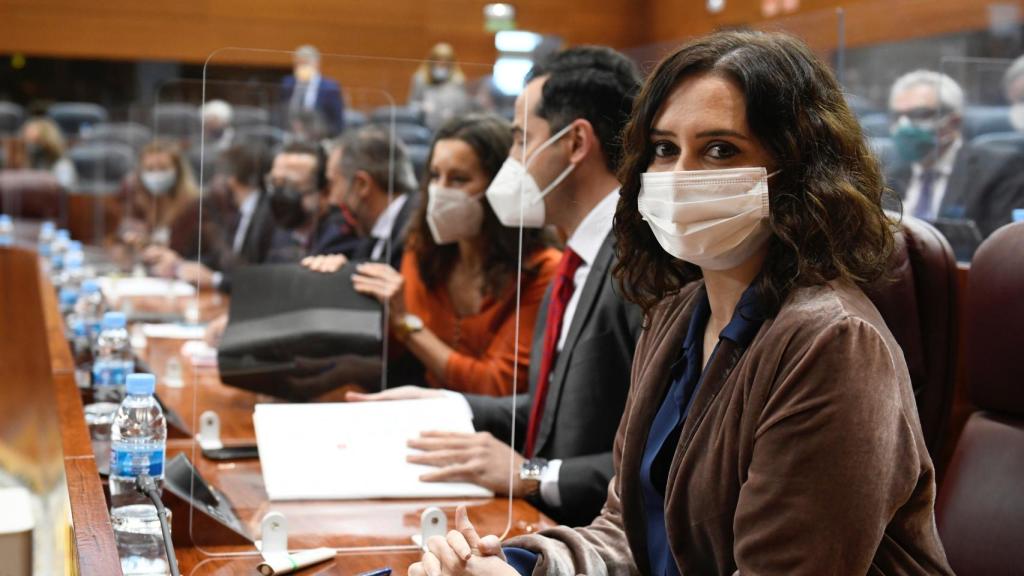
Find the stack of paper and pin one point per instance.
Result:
(354, 450)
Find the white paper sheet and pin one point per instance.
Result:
(132, 287)
(354, 450)
(174, 331)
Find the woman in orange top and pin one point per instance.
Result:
(453, 306)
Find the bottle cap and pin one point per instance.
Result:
(73, 259)
(90, 286)
(47, 227)
(5, 219)
(63, 234)
(113, 321)
(68, 296)
(1018, 214)
(140, 384)
(75, 246)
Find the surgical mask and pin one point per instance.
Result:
(1017, 116)
(715, 219)
(286, 204)
(914, 140)
(158, 182)
(439, 73)
(514, 192)
(452, 215)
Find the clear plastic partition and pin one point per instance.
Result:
(406, 287)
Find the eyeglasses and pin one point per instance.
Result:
(919, 114)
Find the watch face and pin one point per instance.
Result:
(413, 323)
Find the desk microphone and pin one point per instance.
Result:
(145, 485)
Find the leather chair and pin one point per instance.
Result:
(128, 133)
(918, 302)
(11, 116)
(101, 166)
(176, 121)
(33, 194)
(249, 116)
(980, 508)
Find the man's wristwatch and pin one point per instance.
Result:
(531, 472)
(408, 325)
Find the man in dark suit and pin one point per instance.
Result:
(942, 177)
(376, 186)
(586, 333)
(306, 93)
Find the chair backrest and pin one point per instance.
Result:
(1013, 141)
(413, 134)
(11, 116)
(980, 509)
(129, 133)
(980, 120)
(32, 194)
(269, 137)
(176, 120)
(875, 124)
(918, 302)
(400, 114)
(885, 150)
(249, 116)
(101, 166)
(354, 119)
(74, 117)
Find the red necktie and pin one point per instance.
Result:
(561, 293)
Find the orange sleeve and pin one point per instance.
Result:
(492, 373)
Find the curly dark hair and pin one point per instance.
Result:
(490, 137)
(826, 216)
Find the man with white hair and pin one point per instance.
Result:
(217, 124)
(941, 176)
(307, 92)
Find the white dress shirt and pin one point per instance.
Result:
(382, 228)
(943, 168)
(245, 212)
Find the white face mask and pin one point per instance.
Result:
(452, 215)
(1017, 116)
(158, 182)
(715, 219)
(514, 193)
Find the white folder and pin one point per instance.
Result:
(356, 450)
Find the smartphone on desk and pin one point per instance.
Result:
(237, 452)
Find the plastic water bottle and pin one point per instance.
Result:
(112, 359)
(1018, 214)
(6, 230)
(60, 245)
(138, 443)
(73, 272)
(47, 231)
(90, 308)
(67, 299)
(81, 351)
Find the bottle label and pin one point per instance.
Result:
(111, 372)
(130, 460)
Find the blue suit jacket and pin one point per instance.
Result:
(329, 101)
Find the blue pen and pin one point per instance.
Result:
(378, 572)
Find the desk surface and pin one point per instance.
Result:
(337, 524)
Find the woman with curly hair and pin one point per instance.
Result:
(771, 426)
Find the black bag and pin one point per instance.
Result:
(283, 311)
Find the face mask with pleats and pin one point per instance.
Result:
(514, 192)
(453, 215)
(715, 219)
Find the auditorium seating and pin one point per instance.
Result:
(249, 116)
(73, 117)
(980, 509)
(101, 166)
(11, 117)
(268, 136)
(918, 301)
(175, 120)
(128, 133)
(1006, 140)
(354, 119)
(980, 120)
(400, 115)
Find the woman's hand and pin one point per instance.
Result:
(162, 262)
(462, 551)
(327, 264)
(383, 283)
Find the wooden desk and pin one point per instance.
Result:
(338, 524)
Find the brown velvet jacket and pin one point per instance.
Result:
(802, 454)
